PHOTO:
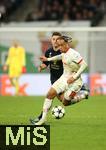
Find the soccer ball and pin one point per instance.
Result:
(58, 112)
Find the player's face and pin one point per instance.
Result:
(63, 46)
(15, 44)
(54, 41)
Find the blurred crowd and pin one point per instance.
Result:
(7, 7)
(66, 10)
(51, 10)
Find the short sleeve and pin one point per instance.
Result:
(77, 57)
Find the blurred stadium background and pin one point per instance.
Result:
(90, 42)
(31, 22)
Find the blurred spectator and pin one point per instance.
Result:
(7, 7)
(55, 10)
(91, 15)
(58, 10)
(47, 13)
(85, 14)
(33, 15)
(63, 10)
(2, 9)
(78, 16)
(66, 16)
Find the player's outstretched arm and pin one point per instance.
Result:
(58, 57)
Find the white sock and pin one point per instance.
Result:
(46, 106)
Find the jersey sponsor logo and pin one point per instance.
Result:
(55, 62)
(54, 66)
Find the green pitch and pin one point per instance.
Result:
(82, 128)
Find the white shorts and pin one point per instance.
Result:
(61, 86)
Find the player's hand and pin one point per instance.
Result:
(5, 67)
(39, 69)
(42, 67)
(43, 58)
(70, 80)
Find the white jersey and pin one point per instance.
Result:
(71, 63)
(71, 60)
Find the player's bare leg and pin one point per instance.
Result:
(35, 120)
(60, 96)
(73, 100)
(81, 95)
(47, 105)
(68, 98)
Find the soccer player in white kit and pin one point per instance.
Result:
(70, 82)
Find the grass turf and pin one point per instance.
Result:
(83, 126)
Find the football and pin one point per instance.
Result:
(58, 112)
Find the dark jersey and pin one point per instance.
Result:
(56, 67)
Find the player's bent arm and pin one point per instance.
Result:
(9, 57)
(58, 57)
(5, 67)
(83, 66)
(8, 60)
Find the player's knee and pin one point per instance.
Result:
(60, 96)
(69, 96)
(51, 94)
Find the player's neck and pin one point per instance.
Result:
(55, 49)
(67, 49)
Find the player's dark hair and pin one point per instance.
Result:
(56, 34)
(65, 38)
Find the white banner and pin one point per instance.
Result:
(30, 84)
